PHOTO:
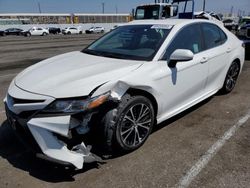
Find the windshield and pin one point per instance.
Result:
(147, 12)
(135, 42)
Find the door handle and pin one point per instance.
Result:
(229, 50)
(204, 60)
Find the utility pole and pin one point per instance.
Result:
(204, 5)
(103, 8)
(39, 7)
(232, 11)
(116, 9)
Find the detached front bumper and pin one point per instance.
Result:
(43, 128)
(44, 133)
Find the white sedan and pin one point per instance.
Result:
(36, 31)
(122, 85)
(95, 30)
(71, 30)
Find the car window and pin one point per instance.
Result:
(212, 35)
(223, 36)
(137, 42)
(189, 38)
(39, 29)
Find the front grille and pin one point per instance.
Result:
(22, 131)
(23, 101)
(27, 114)
(24, 114)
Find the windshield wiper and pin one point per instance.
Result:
(91, 52)
(104, 54)
(112, 55)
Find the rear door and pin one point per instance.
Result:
(217, 52)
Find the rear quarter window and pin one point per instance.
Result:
(213, 35)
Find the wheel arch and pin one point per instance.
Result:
(135, 91)
(237, 60)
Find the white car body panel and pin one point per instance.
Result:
(73, 30)
(91, 72)
(38, 31)
(51, 146)
(77, 74)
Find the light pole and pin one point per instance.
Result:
(103, 8)
(204, 5)
(39, 7)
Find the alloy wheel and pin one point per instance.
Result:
(136, 125)
(232, 76)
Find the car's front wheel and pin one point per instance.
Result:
(231, 78)
(130, 125)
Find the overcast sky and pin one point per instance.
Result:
(95, 6)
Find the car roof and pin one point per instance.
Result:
(168, 22)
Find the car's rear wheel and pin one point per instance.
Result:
(231, 78)
(129, 127)
(44, 34)
(69, 33)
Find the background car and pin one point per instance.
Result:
(243, 34)
(54, 30)
(36, 31)
(230, 24)
(244, 31)
(71, 30)
(26, 33)
(13, 31)
(2, 33)
(95, 30)
(208, 16)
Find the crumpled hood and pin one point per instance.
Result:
(73, 74)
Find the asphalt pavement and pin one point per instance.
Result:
(206, 146)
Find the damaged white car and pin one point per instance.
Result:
(123, 84)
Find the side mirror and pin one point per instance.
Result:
(180, 55)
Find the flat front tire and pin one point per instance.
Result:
(133, 121)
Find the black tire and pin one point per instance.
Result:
(120, 132)
(44, 34)
(69, 33)
(231, 78)
(80, 32)
(28, 35)
(102, 31)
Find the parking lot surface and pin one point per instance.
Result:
(190, 150)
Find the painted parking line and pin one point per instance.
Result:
(204, 160)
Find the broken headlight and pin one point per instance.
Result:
(76, 105)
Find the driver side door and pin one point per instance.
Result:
(183, 85)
